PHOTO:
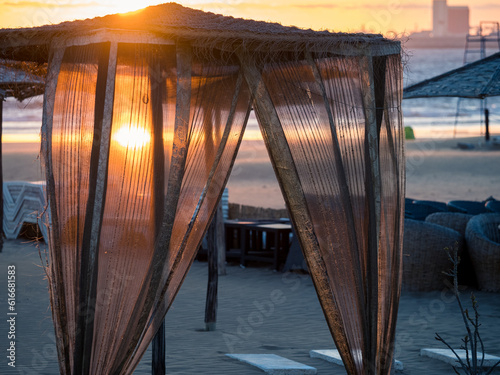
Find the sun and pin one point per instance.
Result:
(132, 137)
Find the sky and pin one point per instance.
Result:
(380, 16)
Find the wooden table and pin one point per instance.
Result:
(263, 241)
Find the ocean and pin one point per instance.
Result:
(439, 116)
(428, 117)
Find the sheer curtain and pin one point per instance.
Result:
(333, 129)
(139, 141)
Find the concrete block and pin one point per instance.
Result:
(274, 364)
(333, 356)
(446, 355)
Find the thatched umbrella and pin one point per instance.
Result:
(134, 172)
(21, 81)
(477, 80)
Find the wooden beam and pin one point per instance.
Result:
(284, 167)
(98, 176)
(158, 352)
(395, 145)
(340, 46)
(221, 241)
(211, 300)
(373, 220)
(158, 94)
(57, 286)
(111, 35)
(179, 149)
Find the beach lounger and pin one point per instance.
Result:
(24, 202)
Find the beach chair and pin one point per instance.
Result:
(483, 240)
(24, 202)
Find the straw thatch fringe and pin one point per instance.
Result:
(205, 31)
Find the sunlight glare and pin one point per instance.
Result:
(132, 137)
(126, 6)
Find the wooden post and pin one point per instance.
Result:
(220, 234)
(158, 93)
(372, 94)
(158, 364)
(213, 278)
(487, 124)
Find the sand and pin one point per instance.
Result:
(247, 322)
(436, 170)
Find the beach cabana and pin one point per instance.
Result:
(143, 116)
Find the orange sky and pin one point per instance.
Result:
(337, 15)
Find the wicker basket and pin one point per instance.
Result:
(424, 255)
(483, 241)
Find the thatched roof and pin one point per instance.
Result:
(479, 80)
(201, 29)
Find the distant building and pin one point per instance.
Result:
(449, 21)
(439, 18)
(458, 20)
